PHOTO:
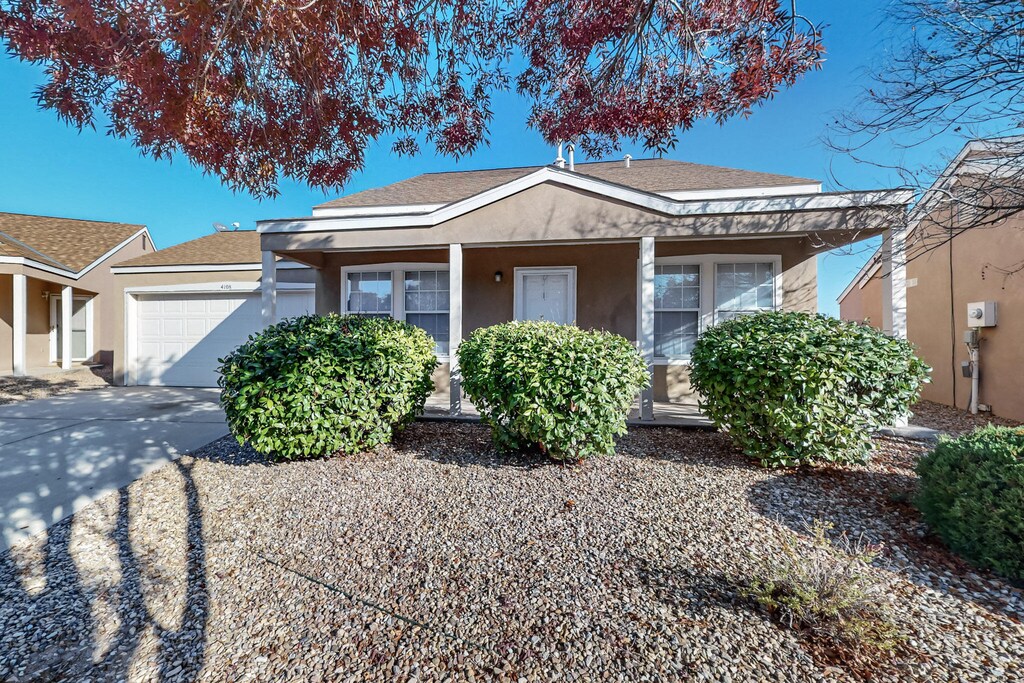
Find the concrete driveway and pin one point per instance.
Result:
(59, 454)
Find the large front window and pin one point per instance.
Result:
(417, 295)
(691, 293)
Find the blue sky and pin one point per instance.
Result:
(49, 168)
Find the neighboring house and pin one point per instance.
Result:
(654, 250)
(950, 265)
(184, 307)
(55, 277)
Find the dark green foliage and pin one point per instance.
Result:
(557, 388)
(972, 495)
(795, 388)
(317, 385)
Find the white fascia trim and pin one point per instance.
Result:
(215, 288)
(22, 261)
(30, 263)
(731, 193)
(389, 210)
(218, 268)
(646, 200)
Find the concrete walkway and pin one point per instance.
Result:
(59, 454)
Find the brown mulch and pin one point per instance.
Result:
(954, 420)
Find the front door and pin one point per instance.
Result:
(547, 294)
(79, 328)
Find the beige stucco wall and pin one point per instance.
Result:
(943, 277)
(937, 315)
(125, 281)
(864, 303)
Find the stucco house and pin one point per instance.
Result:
(654, 250)
(55, 277)
(950, 264)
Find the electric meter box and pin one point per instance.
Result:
(981, 314)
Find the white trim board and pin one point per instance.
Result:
(208, 268)
(213, 287)
(646, 200)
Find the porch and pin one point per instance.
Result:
(660, 294)
(35, 309)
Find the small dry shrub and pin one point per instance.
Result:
(825, 589)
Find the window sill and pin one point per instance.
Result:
(672, 361)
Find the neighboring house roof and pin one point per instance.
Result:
(66, 244)
(217, 249)
(648, 175)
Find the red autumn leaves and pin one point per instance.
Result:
(256, 90)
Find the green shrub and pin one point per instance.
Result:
(795, 388)
(560, 389)
(317, 385)
(971, 494)
(828, 591)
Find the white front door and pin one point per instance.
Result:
(547, 294)
(81, 328)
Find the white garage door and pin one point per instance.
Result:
(179, 337)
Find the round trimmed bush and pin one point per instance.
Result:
(317, 385)
(795, 388)
(971, 494)
(557, 388)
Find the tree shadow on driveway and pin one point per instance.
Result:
(78, 609)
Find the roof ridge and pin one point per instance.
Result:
(579, 163)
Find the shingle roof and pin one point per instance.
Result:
(216, 249)
(67, 243)
(649, 175)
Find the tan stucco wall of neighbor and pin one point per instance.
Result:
(126, 281)
(606, 280)
(943, 277)
(864, 303)
(937, 318)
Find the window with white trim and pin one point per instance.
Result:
(742, 288)
(417, 295)
(692, 293)
(676, 309)
(426, 304)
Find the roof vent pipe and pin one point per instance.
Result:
(628, 158)
(572, 154)
(560, 160)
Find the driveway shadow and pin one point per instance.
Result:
(48, 618)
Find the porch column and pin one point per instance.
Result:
(894, 282)
(20, 325)
(454, 326)
(67, 298)
(647, 323)
(268, 288)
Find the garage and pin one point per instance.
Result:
(176, 339)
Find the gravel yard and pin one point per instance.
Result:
(438, 559)
(953, 420)
(15, 389)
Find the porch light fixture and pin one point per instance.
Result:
(497, 276)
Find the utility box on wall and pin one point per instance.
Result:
(981, 314)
